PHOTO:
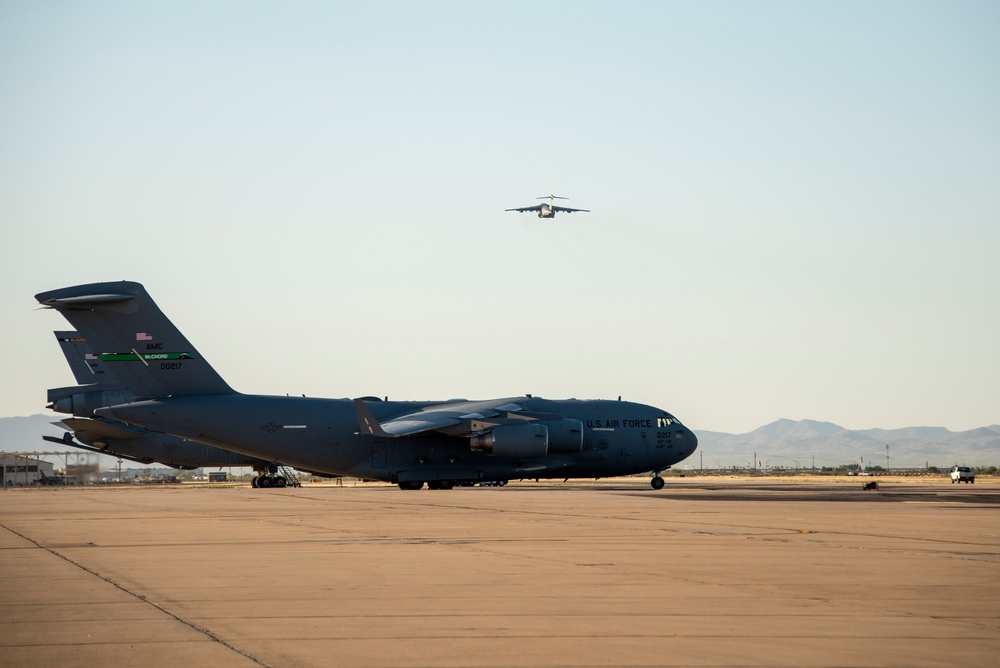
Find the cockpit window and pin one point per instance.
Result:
(666, 421)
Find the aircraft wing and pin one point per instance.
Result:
(525, 209)
(434, 417)
(566, 209)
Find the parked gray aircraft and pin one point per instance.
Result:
(408, 443)
(99, 387)
(548, 210)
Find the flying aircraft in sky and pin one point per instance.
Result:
(99, 387)
(548, 210)
(409, 443)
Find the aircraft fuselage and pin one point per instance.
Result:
(322, 435)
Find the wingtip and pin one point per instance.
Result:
(367, 424)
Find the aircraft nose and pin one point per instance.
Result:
(694, 440)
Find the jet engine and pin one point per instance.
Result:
(513, 440)
(565, 435)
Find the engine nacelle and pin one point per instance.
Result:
(522, 441)
(565, 435)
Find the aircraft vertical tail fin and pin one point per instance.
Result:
(129, 333)
(87, 368)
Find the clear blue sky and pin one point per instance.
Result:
(795, 206)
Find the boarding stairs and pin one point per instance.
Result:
(286, 472)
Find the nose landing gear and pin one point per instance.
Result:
(657, 481)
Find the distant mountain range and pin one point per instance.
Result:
(785, 443)
(790, 443)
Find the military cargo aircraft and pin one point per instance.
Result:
(408, 443)
(548, 210)
(99, 387)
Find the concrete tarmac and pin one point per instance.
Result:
(707, 572)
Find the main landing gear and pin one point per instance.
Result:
(268, 481)
(432, 484)
(274, 476)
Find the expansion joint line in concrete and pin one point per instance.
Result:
(142, 598)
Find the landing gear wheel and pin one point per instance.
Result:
(656, 482)
(434, 484)
(265, 482)
(253, 481)
(446, 484)
(280, 481)
(411, 484)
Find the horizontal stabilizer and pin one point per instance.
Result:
(94, 430)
